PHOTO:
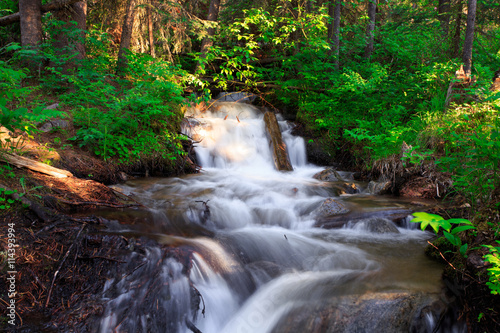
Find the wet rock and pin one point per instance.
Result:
(316, 154)
(377, 225)
(331, 207)
(331, 222)
(264, 271)
(372, 312)
(379, 188)
(328, 175)
(123, 176)
(347, 188)
(54, 123)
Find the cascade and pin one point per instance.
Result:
(238, 247)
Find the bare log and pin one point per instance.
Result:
(23, 162)
(55, 5)
(280, 152)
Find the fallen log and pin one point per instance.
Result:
(278, 146)
(55, 5)
(23, 162)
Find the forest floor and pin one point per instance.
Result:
(62, 261)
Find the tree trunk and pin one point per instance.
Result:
(31, 30)
(65, 46)
(213, 14)
(370, 29)
(9, 19)
(456, 37)
(309, 6)
(335, 38)
(126, 37)
(150, 30)
(444, 16)
(278, 146)
(331, 23)
(469, 36)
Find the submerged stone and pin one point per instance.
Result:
(372, 312)
(377, 225)
(331, 207)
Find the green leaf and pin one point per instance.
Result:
(460, 221)
(452, 239)
(461, 228)
(463, 249)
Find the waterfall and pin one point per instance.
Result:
(237, 247)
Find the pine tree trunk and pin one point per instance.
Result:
(126, 37)
(331, 15)
(55, 5)
(469, 36)
(370, 29)
(444, 16)
(213, 14)
(64, 46)
(31, 30)
(336, 33)
(150, 31)
(456, 36)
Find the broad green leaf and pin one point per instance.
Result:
(461, 228)
(452, 239)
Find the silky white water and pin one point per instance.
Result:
(241, 243)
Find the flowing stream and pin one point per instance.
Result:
(240, 247)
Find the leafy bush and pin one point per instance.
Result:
(493, 257)
(128, 119)
(14, 110)
(450, 232)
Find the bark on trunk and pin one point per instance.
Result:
(309, 6)
(278, 146)
(31, 30)
(335, 40)
(469, 36)
(444, 16)
(370, 29)
(150, 30)
(65, 46)
(213, 14)
(456, 36)
(126, 38)
(9, 19)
